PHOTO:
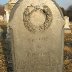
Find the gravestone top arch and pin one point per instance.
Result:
(18, 3)
(37, 44)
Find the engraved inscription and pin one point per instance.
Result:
(38, 62)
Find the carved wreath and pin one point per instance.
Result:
(33, 28)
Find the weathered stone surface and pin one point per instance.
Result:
(37, 36)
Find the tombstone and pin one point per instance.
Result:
(67, 23)
(67, 28)
(37, 36)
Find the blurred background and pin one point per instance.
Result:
(6, 64)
